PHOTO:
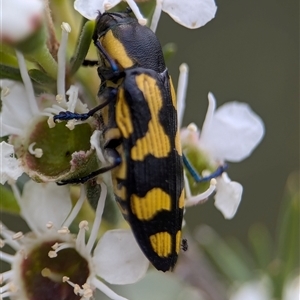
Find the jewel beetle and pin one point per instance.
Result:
(139, 126)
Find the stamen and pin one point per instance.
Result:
(37, 152)
(84, 225)
(7, 257)
(209, 115)
(73, 214)
(61, 58)
(55, 246)
(8, 238)
(46, 272)
(17, 235)
(73, 98)
(98, 217)
(59, 98)
(136, 11)
(201, 198)
(5, 276)
(181, 91)
(63, 230)
(49, 225)
(106, 290)
(80, 240)
(62, 246)
(156, 15)
(27, 84)
(77, 289)
(52, 254)
(71, 124)
(87, 292)
(51, 122)
(192, 127)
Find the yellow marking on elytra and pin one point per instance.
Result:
(145, 208)
(116, 50)
(181, 200)
(173, 94)
(123, 116)
(161, 243)
(112, 133)
(121, 193)
(178, 241)
(120, 171)
(178, 143)
(155, 142)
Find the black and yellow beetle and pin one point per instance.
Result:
(139, 125)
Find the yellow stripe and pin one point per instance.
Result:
(178, 241)
(121, 193)
(116, 50)
(181, 200)
(145, 208)
(178, 143)
(123, 116)
(173, 95)
(112, 133)
(155, 142)
(161, 243)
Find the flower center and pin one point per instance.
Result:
(43, 276)
(57, 146)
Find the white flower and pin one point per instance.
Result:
(229, 133)
(90, 8)
(19, 19)
(189, 13)
(24, 118)
(48, 254)
(9, 165)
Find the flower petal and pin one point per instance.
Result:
(9, 166)
(90, 8)
(234, 132)
(190, 13)
(118, 250)
(44, 202)
(19, 18)
(228, 196)
(16, 111)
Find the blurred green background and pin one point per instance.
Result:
(248, 53)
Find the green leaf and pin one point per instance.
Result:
(7, 72)
(83, 46)
(262, 245)
(41, 77)
(8, 59)
(288, 248)
(8, 202)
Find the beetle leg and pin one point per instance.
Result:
(90, 63)
(113, 156)
(109, 94)
(196, 175)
